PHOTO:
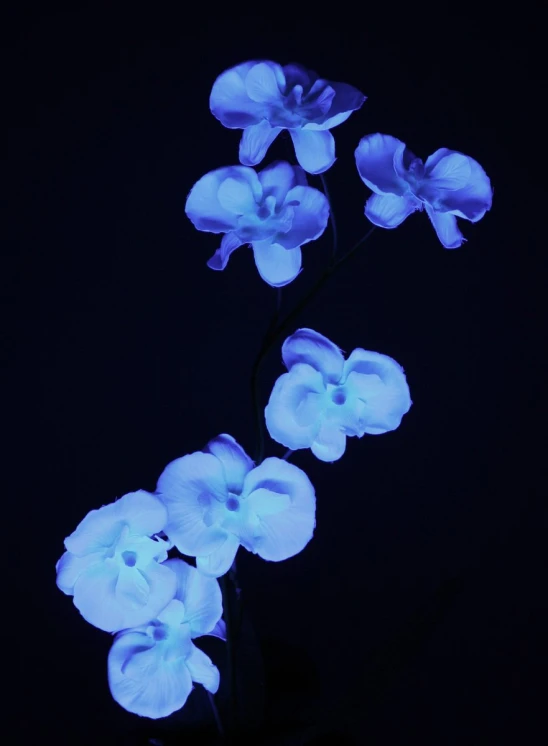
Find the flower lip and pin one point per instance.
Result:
(338, 396)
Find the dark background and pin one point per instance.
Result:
(416, 614)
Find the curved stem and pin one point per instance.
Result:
(276, 329)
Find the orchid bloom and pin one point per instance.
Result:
(263, 98)
(324, 398)
(217, 499)
(151, 668)
(447, 186)
(112, 563)
(273, 210)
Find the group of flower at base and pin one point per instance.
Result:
(116, 565)
(275, 211)
(206, 505)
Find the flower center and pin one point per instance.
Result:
(161, 632)
(338, 396)
(232, 504)
(129, 558)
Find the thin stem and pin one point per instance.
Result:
(331, 216)
(218, 722)
(231, 650)
(275, 330)
(287, 454)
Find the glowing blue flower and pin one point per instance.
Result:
(264, 98)
(324, 398)
(216, 500)
(274, 211)
(447, 186)
(111, 565)
(151, 668)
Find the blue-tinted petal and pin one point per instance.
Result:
(390, 210)
(220, 561)
(255, 142)
(472, 200)
(140, 510)
(142, 681)
(445, 225)
(70, 567)
(375, 164)
(308, 346)
(237, 196)
(296, 74)
(229, 101)
(203, 207)
(447, 169)
(220, 258)
(264, 502)
(284, 533)
(309, 219)
(219, 630)
(380, 382)
(296, 404)
(315, 150)
(200, 595)
(262, 83)
(347, 99)
(277, 266)
(113, 598)
(278, 178)
(202, 669)
(330, 443)
(187, 487)
(234, 460)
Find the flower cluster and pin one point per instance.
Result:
(117, 564)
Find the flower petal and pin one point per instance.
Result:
(200, 595)
(380, 382)
(447, 169)
(236, 196)
(220, 258)
(264, 502)
(255, 142)
(330, 443)
(229, 101)
(220, 561)
(375, 164)
(308, 346)
(347, 99)
(143, 512)
(234, 460)
(111, 598)
(277, 266)
(202, 669)
(284, 533)
(315, 150)
(294, 410)
(187, 487)
(278, 178)
(261, 83)
(142, 681)
(70, 567)
(309, 219)
(203, 207)
(473, 199)
(445, 225)
(390, 210)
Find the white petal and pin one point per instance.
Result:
(315, 149)
(202, 669)
(220, 561)
(189, 486)
(234, 460)
(200, 595)
(142, 681)
(312, 348)
(330, 443)
(277, 266)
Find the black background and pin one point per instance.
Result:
(416, 613)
